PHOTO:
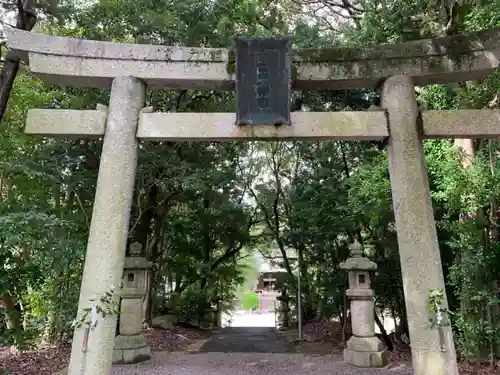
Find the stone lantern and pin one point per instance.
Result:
(284, 309)
(364, 349)
(130, 344)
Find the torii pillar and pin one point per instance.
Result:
(108, 235)
(419, 254)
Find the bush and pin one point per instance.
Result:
(250, 301)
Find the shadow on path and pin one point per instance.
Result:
(247, 340)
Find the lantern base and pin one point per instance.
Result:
(131, 349)
(366, 352)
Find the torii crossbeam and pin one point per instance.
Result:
(127, 69)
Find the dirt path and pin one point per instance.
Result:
(248, 340)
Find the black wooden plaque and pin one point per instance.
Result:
(263, 81)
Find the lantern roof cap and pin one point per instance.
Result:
(357, 262)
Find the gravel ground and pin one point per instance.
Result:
(250, 364)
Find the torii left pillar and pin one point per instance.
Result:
(110, 223)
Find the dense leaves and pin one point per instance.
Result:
(201, 210)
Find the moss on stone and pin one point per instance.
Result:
(168, 53)
(216, 55)
(428, 56)
(328, 54)
(457, 47)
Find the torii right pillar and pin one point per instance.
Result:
(421, 266)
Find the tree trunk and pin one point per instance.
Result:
(402, 329)
(494, 211)
(494, 237)
(145, 236)
(385, 336)
(466, 146)
(147, 303)
(13, 315)
(49, 329)
(26, 19)
(345, 315)
(346, 328)
(7, 78)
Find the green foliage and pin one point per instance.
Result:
(438, 313)
(249, 265)
(250, 301)
(191, 306)
(106, 305)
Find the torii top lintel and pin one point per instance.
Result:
(86, 63)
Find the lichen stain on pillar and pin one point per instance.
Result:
(364, 349)
(419, 254)
(108, 233)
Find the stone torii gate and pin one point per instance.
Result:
(128, 69)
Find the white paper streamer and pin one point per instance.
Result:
(439, 315)
(93, 313)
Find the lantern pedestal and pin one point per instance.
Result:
(131, 349)
(130, 345)
(364, 349)
(366, 352)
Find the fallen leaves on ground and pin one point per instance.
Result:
(173, 339)
(49, 359)
(327, 331)
(44, 361)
